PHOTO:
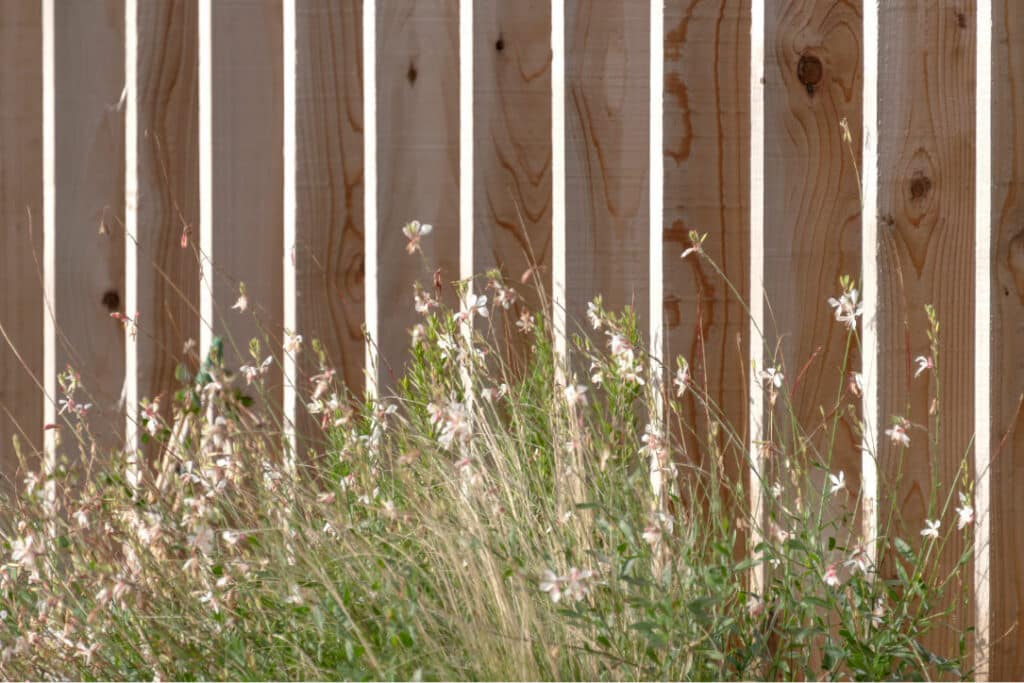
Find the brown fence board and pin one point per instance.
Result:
(418, 163)
(21, 229)
(607, 68)
(89, 204)
(926, 255)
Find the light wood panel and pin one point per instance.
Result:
(418, 163)
(512, 107)
(168, 192)
(329, 257)
(812, 220)
(1007, 386)
(21, 231)
(926, 256)
(607, 68)
(248, 175)
(89, 205)
(707, 171)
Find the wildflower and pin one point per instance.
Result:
(424, 303)
(551, 584)
(414, 231)
(924, 363)
(24, 552)
(242, 303)
(251, 372)
(472, 305)
(771, 378)
(898, 433)
(452, 421)
(775, 490)
(682, 378)
(696, 244)
(660, 527)
(70, 405)
(848, 307)
(596, 373)
(418, 333)
(292, 342)
(575, 394)
(493, 394)
(525, 323)
(594, 313)
(964, 513)
(859, 560)
(755, 606)
(856, 384)
(837, 482)
(831, 576)
(931, 528)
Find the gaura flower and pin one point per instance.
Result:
(848, 307)
(837, 482)
(923, 363)
(931, 528)
(414, 231)
(964, 513)
(831, 576)
(898, 433)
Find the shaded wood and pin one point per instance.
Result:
(329, 191)
(89, 205)
(21, 232)
(168, 193)
(707, 172)
(926, 256)
(1007, 385)
(607, 68)
(418, 163)
(512, 109)
(248, 176)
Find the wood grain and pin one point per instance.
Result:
(21, 232)
(329, 188)
(89, 205)
(812, 221)
(512, 108)
(607, 75)
(248, 175)
(926, 256)
(707, 172)
(418, 162)
(168, 192)
(1007, 386)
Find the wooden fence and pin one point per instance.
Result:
(287, 141)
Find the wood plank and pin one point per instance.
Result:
(607, 69)
(812, 223)
(168, 193)
(707, 172)
(418, 163)
(88, 220)
(21, 232)
(329, 248)
(512, 108)
(926, 256)
(1006, 581)
(248, 176)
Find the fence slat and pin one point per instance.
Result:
(707, 173)
(329, 239)
(812, 213)
(926, 247)
(1007, 301)
(167, 139)
(21, 230)
(247, 174)
(512, 106)
(607, 73)
(418, 162)
(86, 229)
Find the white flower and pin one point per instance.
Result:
(837, 481)
(418, 332)
(575, 394)
(594, 314)
(525, 323)
(24, 552)
(831, 576)
(682, 378)
(292, 342)
(242, 303)
(771, 378)
(551, 584)
(931, 528)
(413, 231)
(575, 583)
(923, 363)
(898, 433)
(755, 606)
(847, 307)
(964, 513)
(472, 304)
(856, 384)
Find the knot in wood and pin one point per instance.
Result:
(111, 300)
(809, 70)
(411, 74)
(920, 186)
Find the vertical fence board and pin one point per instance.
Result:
(512, 104)
(247, 174)
(168, 193)
(21, 230)
(88, 248)
(926, 256)
(607, 73)
(707, 169)
(418, 162)
(812, 215)
(1007, 387)
(329, 237)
